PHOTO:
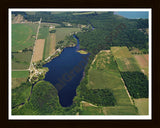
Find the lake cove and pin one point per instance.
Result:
(65, 73)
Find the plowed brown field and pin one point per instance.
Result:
(141, 60)
(38, 50)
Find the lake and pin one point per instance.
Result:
(65, 73)
(133, 14)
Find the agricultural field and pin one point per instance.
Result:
(19, 77)
(143, 61)
(50, 24)
(23, 36)
(104, 74)
(20, 74)
(89, 109)
(124, 59)
(83, 13)
(43, 32)
(38, 50)
(16, 82)
(21, 60)
(62, 32)
(142, 105)
(120, 110)
(50, 44)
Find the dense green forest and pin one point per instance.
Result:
(44, 100)
(137, 84)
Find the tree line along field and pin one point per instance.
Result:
(104, 74)
(134, 78)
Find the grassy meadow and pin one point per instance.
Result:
(23, 36)
(62, 32)
(20, 74)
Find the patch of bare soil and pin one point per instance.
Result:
(38, 50)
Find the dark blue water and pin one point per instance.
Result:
(133, 14)
(66, 72)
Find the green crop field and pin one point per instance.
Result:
(124, 59)
(20, 74)
(121, 110)
(43, 32)
(62, 32)
(89, 110)
(23, 36)
(21, 60)
(104, 74)
(83, 13)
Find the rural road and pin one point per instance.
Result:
(20, 69)
(35, 42)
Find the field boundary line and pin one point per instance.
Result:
(127, 91)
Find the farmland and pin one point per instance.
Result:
(83, 13)
(142, 105)
(19, 77)
(21, 60)
(20, 74)
(104, 74)
(124, 59)
(50, 44)
(23, 36)
(38, 50)
(142, 60)
(62, 32)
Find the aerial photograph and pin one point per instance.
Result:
(79, 62)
